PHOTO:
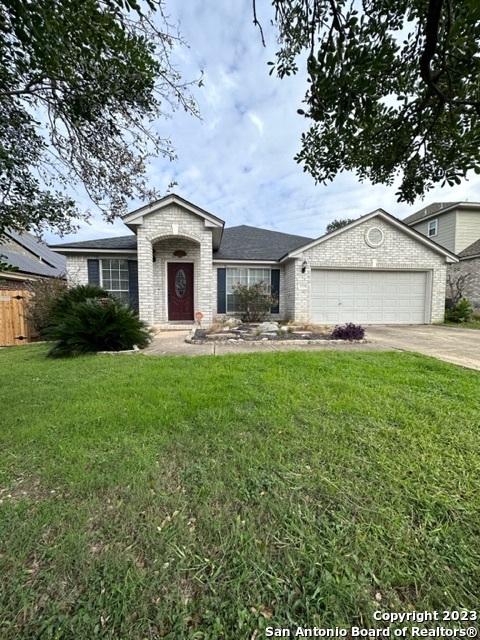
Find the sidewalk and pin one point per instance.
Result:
(172, 343)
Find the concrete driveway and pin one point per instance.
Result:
(451, 344)
(458, 346)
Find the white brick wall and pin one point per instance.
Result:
(174, 228)
(349, 250)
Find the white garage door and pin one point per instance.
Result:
(370, 297)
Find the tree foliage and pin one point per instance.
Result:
(81, 84)
(393, 88)
(338, 224)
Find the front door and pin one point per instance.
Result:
(180, 291)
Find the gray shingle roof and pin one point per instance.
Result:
(431, 209)
(38, 248)
(472, 250)
(238, 243)
(120, 242)
(251, 243)
(29, 265)
(33, 255)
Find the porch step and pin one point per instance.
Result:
(174, 326)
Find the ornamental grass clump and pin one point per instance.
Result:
(348, 331)
(97, 324)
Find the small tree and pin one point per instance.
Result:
(456, 284)
(45, 293)
(254, 301)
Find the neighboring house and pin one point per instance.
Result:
(455, 226)
(31, 256)
(33, 261)
(181, 260)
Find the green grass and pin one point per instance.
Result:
(155, 497)
(473, 324)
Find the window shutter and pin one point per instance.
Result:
(133, 283)
(221, 290)
(275, 282)
(93, 269)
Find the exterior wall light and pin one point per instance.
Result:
(304, 266)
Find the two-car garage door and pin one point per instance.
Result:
(370, 297)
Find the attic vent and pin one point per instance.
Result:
(374, 237)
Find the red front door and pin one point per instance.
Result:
(180, 291)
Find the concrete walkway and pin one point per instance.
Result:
(173, 343)
(451, 344)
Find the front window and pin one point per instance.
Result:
(432, 228)
(115, 279)
(243, 276)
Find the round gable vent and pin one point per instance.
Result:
(374, 237)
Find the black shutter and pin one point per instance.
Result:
(275, 282)
(221, 291)
(133, 283)
(93, 268)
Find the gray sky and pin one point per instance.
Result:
(237, 162)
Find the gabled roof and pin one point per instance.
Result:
(380, 213)
(135, 218)
(120, 243)
(37, 259)
(471, 251)
(251, 243)
(431, 210)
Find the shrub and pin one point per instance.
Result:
(97, 325)
(40, 305)
(81, 293)
(348, 331)
(254, 301)
(461, 312)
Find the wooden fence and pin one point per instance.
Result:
(14, 328)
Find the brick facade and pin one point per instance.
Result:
(349, 250)
(174, 228)
(162, 233)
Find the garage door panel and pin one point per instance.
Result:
(369, 297)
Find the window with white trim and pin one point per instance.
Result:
(432, 228)
(115, 279)
(244, 276)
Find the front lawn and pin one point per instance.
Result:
(155, 497)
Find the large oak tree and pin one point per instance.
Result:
(81, 85)
(393, 88)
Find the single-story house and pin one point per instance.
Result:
(180, 260)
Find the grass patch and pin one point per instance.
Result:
(155, 497)
(473, 324)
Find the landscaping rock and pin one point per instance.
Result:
(233, 322)
(268, 327)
